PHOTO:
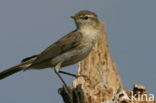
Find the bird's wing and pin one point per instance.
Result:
(64, 44)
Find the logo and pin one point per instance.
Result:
(140, 97)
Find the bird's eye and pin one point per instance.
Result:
(86, 17)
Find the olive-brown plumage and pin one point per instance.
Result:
(68, 50)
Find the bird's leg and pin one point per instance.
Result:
(74, 75)
(70, 74)
(57, 69)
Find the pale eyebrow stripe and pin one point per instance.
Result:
(90, 15)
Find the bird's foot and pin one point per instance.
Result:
(84, 76)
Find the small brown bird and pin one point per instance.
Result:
(68, 50)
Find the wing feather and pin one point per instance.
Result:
(63, 45)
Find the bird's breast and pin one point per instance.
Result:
(90, 35)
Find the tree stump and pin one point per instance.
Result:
(100, 81)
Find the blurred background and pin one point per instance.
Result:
(28, 27)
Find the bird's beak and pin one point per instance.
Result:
(74, 17)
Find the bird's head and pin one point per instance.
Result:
(86, 18)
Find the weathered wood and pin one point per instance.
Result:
(102, 83)
(74, 95)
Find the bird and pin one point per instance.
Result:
(68, 50)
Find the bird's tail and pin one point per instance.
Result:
(24, 65)
(9, 72)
